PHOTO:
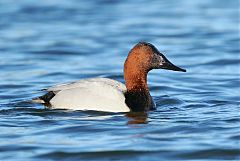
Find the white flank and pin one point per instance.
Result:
(98, 94)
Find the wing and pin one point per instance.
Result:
(94, 94)
(88, 83)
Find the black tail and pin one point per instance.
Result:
(45, 98)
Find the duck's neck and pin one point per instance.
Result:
(136, 81)
(137, 96)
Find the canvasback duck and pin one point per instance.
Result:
(103, 94)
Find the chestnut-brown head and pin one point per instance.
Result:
(145, 57)
(141, 59)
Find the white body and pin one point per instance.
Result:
(98, 94)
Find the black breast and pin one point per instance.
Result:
(139, 101)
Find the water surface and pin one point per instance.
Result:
(47, 42)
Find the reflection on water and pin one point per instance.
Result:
(137, 118)
(43, 43)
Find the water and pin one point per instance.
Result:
(46, 42)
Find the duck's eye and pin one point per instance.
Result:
(162, 61)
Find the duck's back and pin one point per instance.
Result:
(98, 94)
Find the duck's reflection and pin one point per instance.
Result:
(137, 118)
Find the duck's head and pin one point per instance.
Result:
(145, 56)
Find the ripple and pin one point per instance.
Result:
(101, 155)
(223, 62)
(228, 154)
(57, 52)
(160, 101)
(10, 148)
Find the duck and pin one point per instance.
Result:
(108, 95)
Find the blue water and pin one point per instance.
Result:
(43, 43)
